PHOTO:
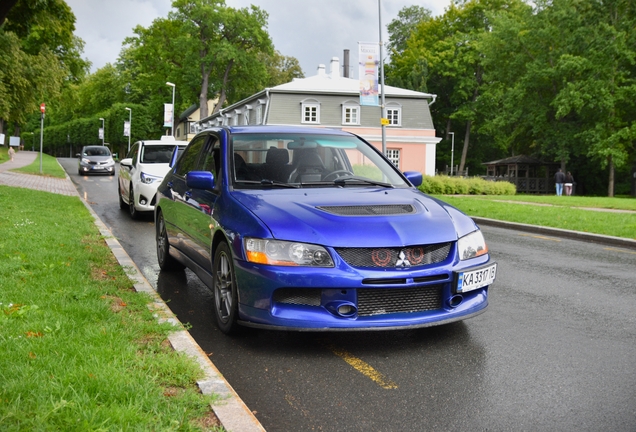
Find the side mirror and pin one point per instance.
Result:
(414, 177)
(200, 180)
(77, 155)
(126, 162)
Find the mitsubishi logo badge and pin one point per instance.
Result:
(402, 261)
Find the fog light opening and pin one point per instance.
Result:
(346, 310)
(455, 301)
(142, 201)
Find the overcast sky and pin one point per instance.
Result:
(311, 31)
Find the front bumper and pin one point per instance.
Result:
(145, 195)
(346, 298)
(96, 169)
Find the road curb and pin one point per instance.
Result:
(558, 232)
(230, 409)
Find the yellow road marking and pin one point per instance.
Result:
(620, 250)
(364, 368)
(540, 237)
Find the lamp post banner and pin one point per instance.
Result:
(126, 128)
(101, 133)
(368, 61)
(167, 115)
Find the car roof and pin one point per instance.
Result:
(308, 130)
(162, 142)
(95, 146)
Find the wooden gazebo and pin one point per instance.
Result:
(528, 174)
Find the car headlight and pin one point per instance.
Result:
(472, 245)
(110, 161)
(86, 161)
(284, 253)
(147, 178)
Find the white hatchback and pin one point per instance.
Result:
(141, 172)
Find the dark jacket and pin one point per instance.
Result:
(559, 177)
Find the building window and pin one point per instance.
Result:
(193, 128)
(311, 113)
(394, 156)
(350, 115)
(259, 114)
(394, 116)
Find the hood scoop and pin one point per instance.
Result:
(370, 210)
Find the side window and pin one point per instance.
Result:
(211, 160)
(133, 153)
(188, 160)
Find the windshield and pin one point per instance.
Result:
(296, 160)
(96, 151)
(156, 153)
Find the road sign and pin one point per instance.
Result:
(42, 107)
(384, 121)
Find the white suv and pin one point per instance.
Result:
(141, 172)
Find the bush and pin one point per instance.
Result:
(444, 185)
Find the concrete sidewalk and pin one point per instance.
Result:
(231, 411)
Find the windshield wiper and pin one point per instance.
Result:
(342, 181)
(267, 182)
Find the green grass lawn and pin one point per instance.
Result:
(562, 212)
(79, 348)
(50, 167)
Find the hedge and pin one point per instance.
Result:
(444, 185)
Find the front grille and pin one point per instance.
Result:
(370, 210)
(309, 296)
(391, 257)
(395, 300)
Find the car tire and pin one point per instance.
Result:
(166, 261)
(225, 290)
(134, 213)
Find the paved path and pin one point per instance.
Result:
(44, 183)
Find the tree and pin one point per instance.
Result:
(401, 28)
(225, 44)
(40, 53)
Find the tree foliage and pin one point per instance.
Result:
(38, 55)
(554, 80)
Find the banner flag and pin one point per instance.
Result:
(126, 128)
(101, 133)
(368, 61)
(167, 115)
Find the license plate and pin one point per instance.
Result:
(474, 279)
(98, 167)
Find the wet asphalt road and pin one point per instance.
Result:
(556, 349)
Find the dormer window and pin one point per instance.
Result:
(350, 113)
(310, 112)
(394, 114)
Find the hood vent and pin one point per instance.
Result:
(370, 210)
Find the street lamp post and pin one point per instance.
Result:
(382, 103)
(172, 120)
(129, 126)
(452, 134)
(103, 132)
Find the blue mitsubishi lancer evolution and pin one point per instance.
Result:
(313, 229)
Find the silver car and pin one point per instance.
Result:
(95, 160)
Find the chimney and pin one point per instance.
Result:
(345, 67)
(321, 69)
(335, 67)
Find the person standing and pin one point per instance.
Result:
(559, 179)
(569, 181)
(11, 153)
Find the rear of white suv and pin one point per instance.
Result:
(141, 172)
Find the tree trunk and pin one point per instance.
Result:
(465, 148)
(610, 186)
(223, 94)
(203, 96)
